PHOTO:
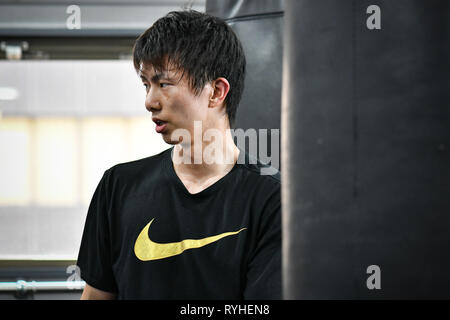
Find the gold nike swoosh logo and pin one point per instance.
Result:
(146, 249)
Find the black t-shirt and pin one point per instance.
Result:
(147, 237)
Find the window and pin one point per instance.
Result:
(52, 158)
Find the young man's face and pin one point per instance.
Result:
(173, 103)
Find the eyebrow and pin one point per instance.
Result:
(156, 77)
(142, 76)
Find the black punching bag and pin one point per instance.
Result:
(258, 24)
(366, 149)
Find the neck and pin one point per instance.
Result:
(204, 159)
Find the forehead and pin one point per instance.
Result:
(168, 71)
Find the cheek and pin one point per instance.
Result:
(184, 111)
(190, 109)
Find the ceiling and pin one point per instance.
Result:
(107, 29)
(97, 18)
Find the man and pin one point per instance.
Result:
(188, 223)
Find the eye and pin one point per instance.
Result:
(145, 86)
(163, 84)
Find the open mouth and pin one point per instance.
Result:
(160, 126)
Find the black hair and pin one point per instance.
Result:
(202, 46)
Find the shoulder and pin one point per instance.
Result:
(138, 168)
(258, 171)
(258, 180)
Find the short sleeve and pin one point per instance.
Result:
(94, 257)
(263, 279)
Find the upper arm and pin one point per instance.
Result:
(91, 293)
(263, 279)
(94, 257)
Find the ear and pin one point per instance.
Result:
(220, 88)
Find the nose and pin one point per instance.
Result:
(152, 100)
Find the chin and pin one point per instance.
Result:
(169, 140)
(170, 137)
